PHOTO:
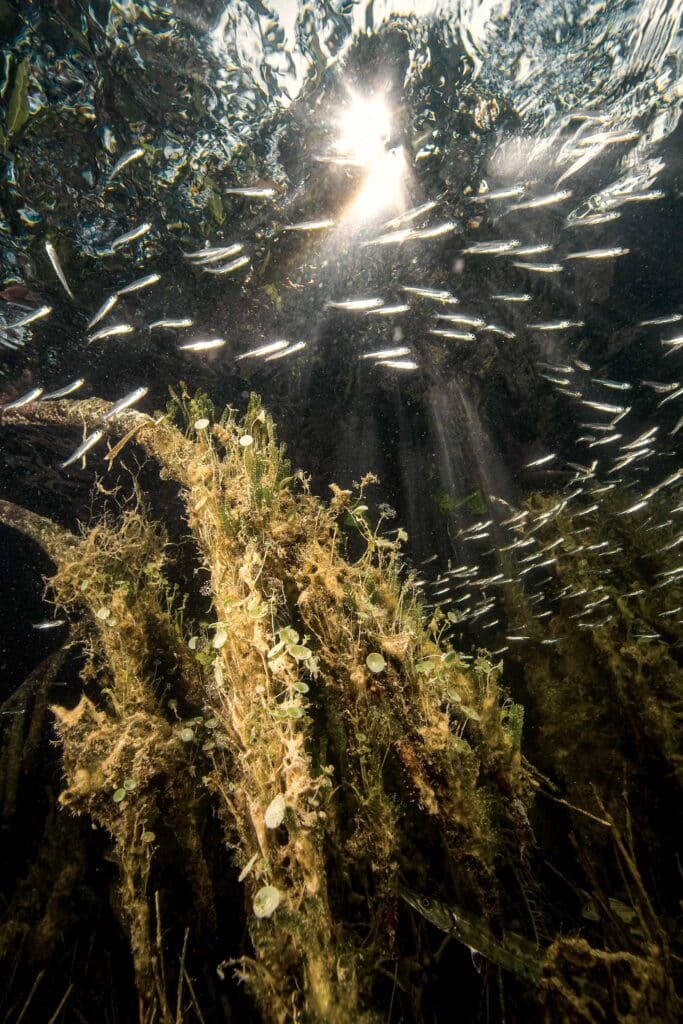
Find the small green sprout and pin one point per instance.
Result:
(425, 666)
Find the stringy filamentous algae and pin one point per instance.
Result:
(274, 738)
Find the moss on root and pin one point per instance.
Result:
(278, 740)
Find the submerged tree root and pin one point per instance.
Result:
(309, 721)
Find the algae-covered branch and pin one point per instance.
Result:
(267, 766)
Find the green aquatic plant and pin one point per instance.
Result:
(288, 740)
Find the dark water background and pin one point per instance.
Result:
(251, 94)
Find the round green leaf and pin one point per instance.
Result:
(300, 652)
(266, 901)
(275, 812)
(375, 663)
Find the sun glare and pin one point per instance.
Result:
(364, 132)
(364, 128)
(383, 188)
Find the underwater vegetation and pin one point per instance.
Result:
(254, 781)
(271, 758)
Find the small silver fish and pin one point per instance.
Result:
(555, 325)
(356, 305)
(508, 297)
(641, 439)
(228, 268)
(139, 284)
(30, 318)
(464, 319)
(539, 268)
(660, 387)
(212, 255)
(398, 364)
(496, 195)
(437, 294)
(390, 238)
(491, 248)
(66, 390)
(127, 158)
(110, 332)
(670, 398)
(90, 442)
(497, 329)
(124, 403)
(659, 321)
(454, 335)
(541, 462)
(202, 346)
(604, 440)
(548, 200)
(616, 385)
(598, 254)
(264, 350)
(633, 508)
(252, 192)
(49, 624)
(131, 236)
(57, 267)
(533, 250)
(579, 163)
(410, 215)
(17, 403)
(386, 353)
(592, 219)
(105, 308)
(602, 407)
(401, 307)
(434, 232)
(296, 347)
(649, 196)
(171, 325)
(309, 225)
(556, 368)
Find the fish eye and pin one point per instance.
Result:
(425, 902)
